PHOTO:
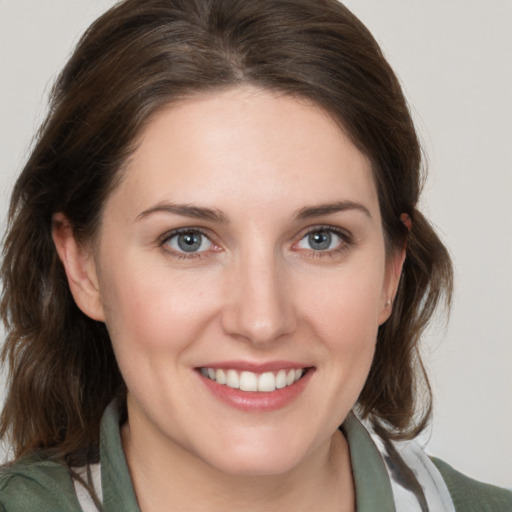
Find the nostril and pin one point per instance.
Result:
(259, 324)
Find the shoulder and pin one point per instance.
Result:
(469, 495)
(36, 484)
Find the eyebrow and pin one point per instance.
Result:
(309, 212)
(186, 210)
(214, 215)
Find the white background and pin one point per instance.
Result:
(454, 58)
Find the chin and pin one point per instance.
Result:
(256, 466)
(256, 457)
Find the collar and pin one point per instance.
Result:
(117, 489)
(373, 487)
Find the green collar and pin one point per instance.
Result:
(373, 488)
(117, 488)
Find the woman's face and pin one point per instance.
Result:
(243, 249)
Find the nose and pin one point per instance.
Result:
(259, 305)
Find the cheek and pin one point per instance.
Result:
(344, 313)
(347, 304)
(153, 318)
(153, 310)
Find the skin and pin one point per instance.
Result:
(256, 291)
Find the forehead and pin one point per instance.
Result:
(246, 146)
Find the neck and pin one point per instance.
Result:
(176, 477)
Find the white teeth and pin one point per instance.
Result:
(266, 382)
(220, 377)
(249, 381)
(232, 379)
(280, 379)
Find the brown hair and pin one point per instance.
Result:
(136, 58)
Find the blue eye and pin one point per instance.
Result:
(189, 242)
(321, 240)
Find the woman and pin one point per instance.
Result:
(214, 260)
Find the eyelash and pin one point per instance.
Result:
(166, 237)
(345, 237)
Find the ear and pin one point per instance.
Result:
(392, 278)
(80, 267)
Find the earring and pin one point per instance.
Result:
(388, 303)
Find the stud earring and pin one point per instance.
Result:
(388, 303)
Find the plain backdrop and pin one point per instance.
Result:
(454, 58)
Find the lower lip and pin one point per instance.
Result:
(252, 401)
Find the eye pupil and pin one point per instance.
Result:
(320, 240)
(189, 242)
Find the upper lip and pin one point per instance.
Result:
(256, 367)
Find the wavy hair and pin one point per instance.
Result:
(138, 57)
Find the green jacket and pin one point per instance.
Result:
(34, 484)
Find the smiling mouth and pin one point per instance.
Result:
(256, 382)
